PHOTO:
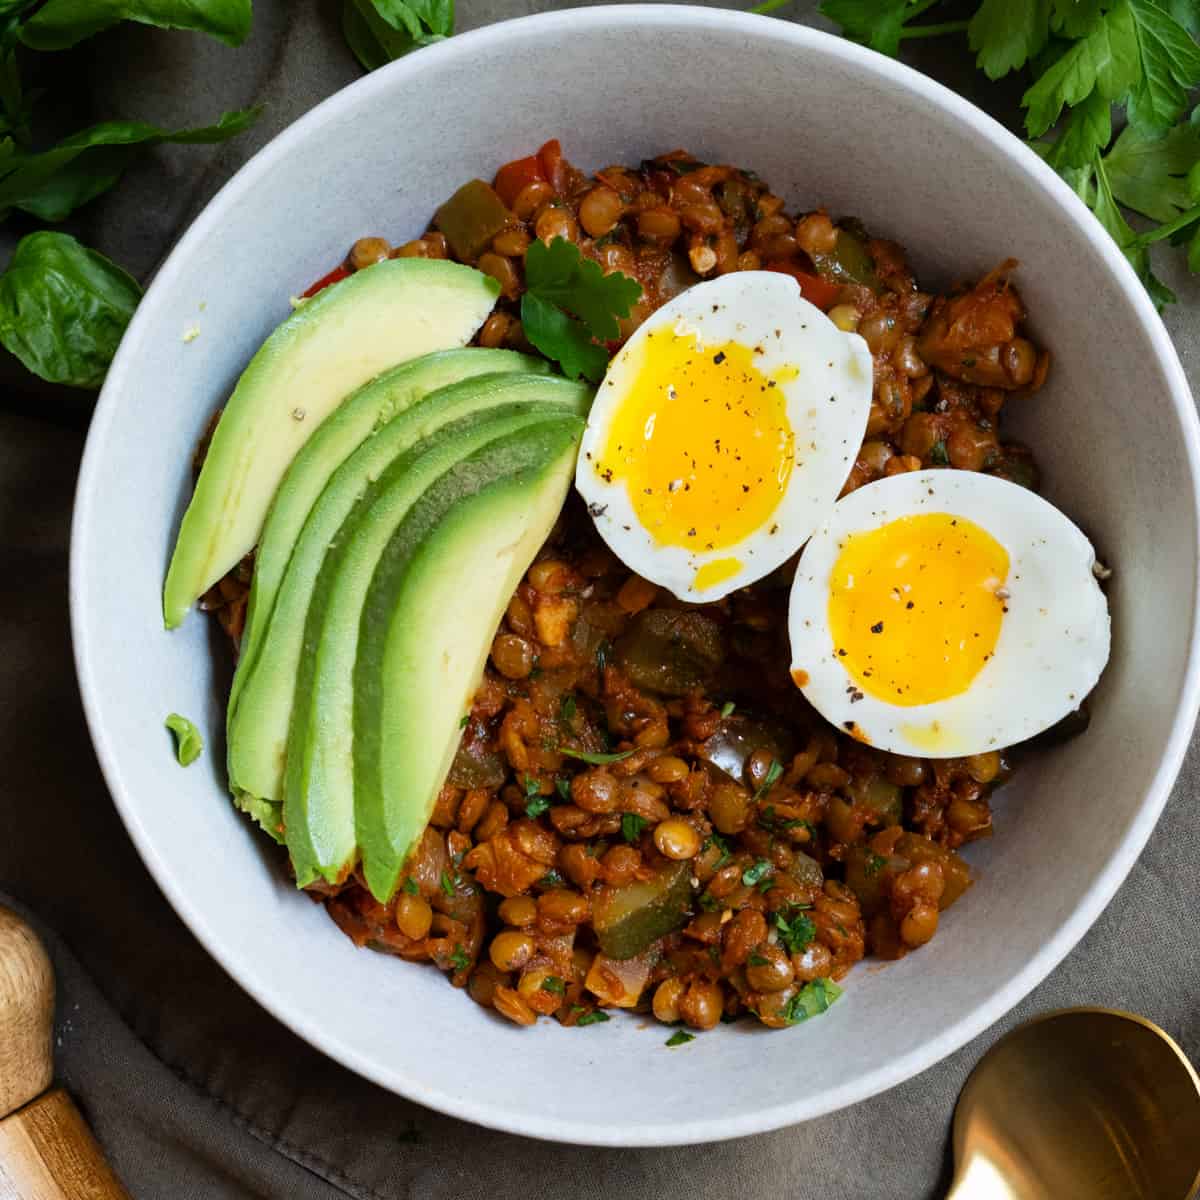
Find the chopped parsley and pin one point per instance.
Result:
(551, 879)
(465, 721)
(811, 1001)
(593, 1018)
(447, 885)
(774, 771)
(937, 452)
(410, 886)
(459, 959)
(562, 786)
(596, 760)
(727, 708)
(554, 985)
(680, 1038)
(188, 742)
(752, 876)
(535, 804)
(567, 708)
(796, 932)
(721, 844)
(875, 863)
(758, 960)
(632, 826)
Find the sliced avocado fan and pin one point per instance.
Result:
(259, 721)
(335, 342)
(319, 786)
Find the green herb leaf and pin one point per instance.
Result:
(63, 309)
(570, 306)
(774, 771)
(551, 879)
(1075, 18)
(537, 806)
(567, 708)
(62, 23)
(1151, 174)
(465, 721)
(563, 787)
(875, 23)
(1006, 34)
(760, 870)
(593, 1018)
(874, 864)
(1108, 59)
(1087, 129)
(459, 960)
(410, 886)
(447, 885)
(1170, 67)
(596, 759)
(757, 960)
(188, 742)
(52, 183)
(727, 708)
(938, 455)
(632, 826)
(715, 839)
(796, 932)
(811, 1000)
(603, 652)
(680, 1038)
(554, 985)
(380, 31)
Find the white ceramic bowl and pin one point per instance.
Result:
(824, 122)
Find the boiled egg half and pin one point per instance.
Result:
(942, 613)
(723, 433)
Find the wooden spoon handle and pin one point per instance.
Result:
(46, 1150)
(48, 1153)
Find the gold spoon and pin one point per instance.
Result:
(1083, 1104)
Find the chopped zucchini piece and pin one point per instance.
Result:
(628, 919)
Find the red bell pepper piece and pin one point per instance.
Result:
(554, 166)
(515, 176)
(335, 276)
(813, 288)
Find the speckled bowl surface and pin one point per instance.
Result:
(825, 122)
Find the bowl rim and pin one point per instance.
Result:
(267, 991)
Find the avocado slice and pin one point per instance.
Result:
(258, 725)
(435, 601)
(333, 343)
(373, 405)
(319, 790)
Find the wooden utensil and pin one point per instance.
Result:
(47, 1151)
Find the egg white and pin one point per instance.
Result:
(827, 406)
(1053, 642)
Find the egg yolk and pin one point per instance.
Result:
(915, 607)
(701, 441)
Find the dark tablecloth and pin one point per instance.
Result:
(192, 1088)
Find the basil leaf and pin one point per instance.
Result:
(63, 309)
(62, 23)
(188, 742)
(53, 183)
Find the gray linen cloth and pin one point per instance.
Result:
(194, 1090)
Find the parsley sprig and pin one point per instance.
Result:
(1083, 57)
(570, 306)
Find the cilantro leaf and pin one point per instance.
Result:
(796, 932)
(563, 339)
(1151, 174)
(754, 875)
(188, 742)
(459, 959)
(570, 305)
(1006, 34)
(1107, 60)
(560, 275)
(1170, 66)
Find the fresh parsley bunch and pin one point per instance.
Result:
(63, 307)
(1085, 59)
(379, 31)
